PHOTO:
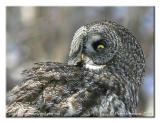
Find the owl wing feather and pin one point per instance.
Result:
(55, 89)
(52, 89)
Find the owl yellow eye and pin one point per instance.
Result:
(100, 46)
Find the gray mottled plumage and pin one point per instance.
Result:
(103, 76)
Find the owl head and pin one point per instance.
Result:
(94, 44)
(106, 45)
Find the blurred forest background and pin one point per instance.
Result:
(44, 34)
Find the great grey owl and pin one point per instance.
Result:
(102, 78)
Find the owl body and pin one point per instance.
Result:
(103, 76)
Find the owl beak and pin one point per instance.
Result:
(82, 57)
